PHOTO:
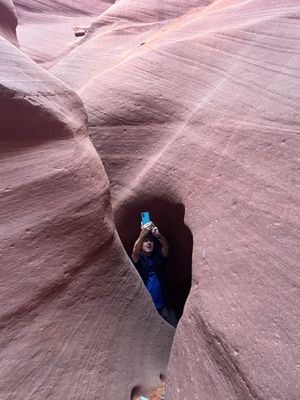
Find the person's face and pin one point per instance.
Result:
(148, 245)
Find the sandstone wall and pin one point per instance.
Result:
(203, 111)
(8, 21)
(76, 322)
(47, 28)
(188, 103)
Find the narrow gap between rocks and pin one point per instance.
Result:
(170, 220)
(138, 392)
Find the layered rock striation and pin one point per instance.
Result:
(189, 103)
(76, 322)
(47, 28)
(202, 110)
(8, 21)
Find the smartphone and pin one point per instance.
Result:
(145, 217)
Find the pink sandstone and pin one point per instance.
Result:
(8, 21)
(203, 111)
(192, 103)
(47, 28)
(74, 318)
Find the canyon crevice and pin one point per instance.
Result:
(189, 109)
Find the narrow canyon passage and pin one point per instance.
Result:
(188, 110)
(170, 220)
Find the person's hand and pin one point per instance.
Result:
(155, 232)
(146, 229)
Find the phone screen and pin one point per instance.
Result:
(145, 217)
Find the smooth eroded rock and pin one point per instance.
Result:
(202, 110)
(8, 21)
(76, 321)
(48, 28)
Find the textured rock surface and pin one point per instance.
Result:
(46, 28)
(76, 323)
(123, 28)
(8, 21)
(203, 110)
(194, 103)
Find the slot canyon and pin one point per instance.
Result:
(187, 109)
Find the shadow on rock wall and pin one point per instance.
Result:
(170, 220)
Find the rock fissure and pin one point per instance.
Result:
(170, 220)
(80, 325)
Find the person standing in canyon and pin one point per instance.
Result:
(149, 255)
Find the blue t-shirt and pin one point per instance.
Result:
(153, 285)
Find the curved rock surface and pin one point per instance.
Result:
(47, 28)
(8, 21)
(124, 27)
(202, 109)
(193, 103)
(76, 322)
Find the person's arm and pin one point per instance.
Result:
(137, 248)
(162, 240)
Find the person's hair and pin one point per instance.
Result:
(149, 236)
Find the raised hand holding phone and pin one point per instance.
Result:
(155, 232)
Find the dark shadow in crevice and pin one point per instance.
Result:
(136, 392)
(170, 220)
